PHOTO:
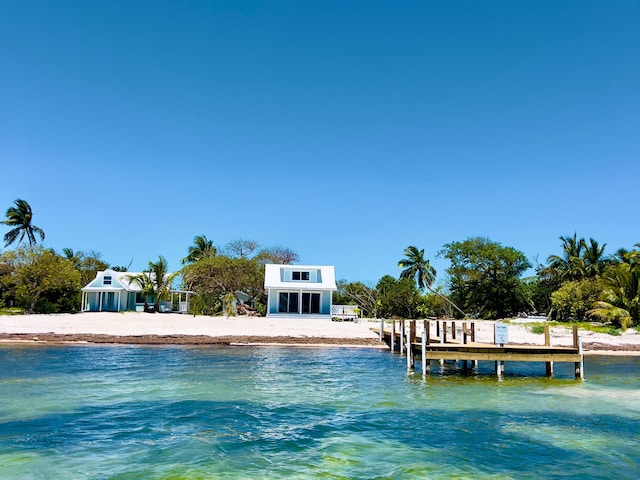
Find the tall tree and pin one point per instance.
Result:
(202, 248)
(569, 266)
(485, 276)
(20, 218)
(594, 259)
(416, 267)
(397, 298)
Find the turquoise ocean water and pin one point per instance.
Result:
(123, 412)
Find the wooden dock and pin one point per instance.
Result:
(437, 342)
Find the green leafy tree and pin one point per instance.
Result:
(42, 281)
(397, 298)
(485, 277)
(202, 248)
(575, 298)
(418, 268)
(20, 218)
(213, 278)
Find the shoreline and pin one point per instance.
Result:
(242, 341)
(138, 328)
(187, 340)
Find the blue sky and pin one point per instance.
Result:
(343, 130)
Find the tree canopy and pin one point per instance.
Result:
(41, 281)
(485, 277)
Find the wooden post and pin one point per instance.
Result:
(426, 327)
(381, 329)
(402, 336)
(547, 335)
(426, 364)
(444, 331)
(547, 343)
(453, 330)
(577, 344)
(412, 330)
(442, 337)
(409, 346)
(581, 358)
(438, 329)
(473, 331)
(393, 336)
(464, 334)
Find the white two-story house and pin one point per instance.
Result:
(299, 290)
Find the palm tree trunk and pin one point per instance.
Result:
(447, 300)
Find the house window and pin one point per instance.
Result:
(106, 280)
(300, 275)
(288, 302)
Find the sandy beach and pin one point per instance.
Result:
(172, 328)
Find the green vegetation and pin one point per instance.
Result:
(580, 284)
(485, 277)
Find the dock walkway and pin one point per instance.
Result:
(442, 341)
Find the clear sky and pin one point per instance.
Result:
(345, 130)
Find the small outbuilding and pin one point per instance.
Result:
(299, 290)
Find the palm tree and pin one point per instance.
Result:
(162, 279)
(621, 298)
(594, 258)
(20, 218)
(74, 257)
(147, 287)
(416, 267)
(155, 281)
(569, 266)
(201, 248)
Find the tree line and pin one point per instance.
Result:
(484, 279)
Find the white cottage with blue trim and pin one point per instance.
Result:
(113, 291)
(299, 290)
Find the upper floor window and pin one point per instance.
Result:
(300, 275)
(106, 280)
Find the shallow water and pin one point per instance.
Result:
(125, 412)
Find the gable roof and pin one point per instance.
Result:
(119, 281)
(274, 277)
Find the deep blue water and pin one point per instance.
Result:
(125, 412)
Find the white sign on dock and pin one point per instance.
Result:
(501, 333)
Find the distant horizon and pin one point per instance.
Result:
(346, 132)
